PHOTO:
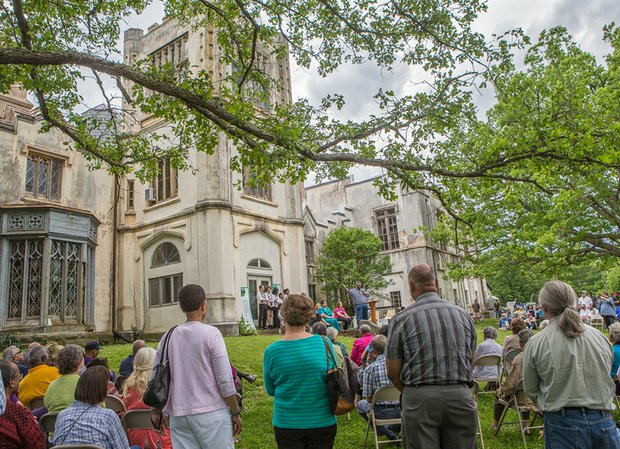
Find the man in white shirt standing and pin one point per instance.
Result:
(584, 299)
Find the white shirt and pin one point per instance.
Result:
(585, 300)
(584, 314)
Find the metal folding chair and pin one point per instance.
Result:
(513, 403)
(488, 360)
(385, 394)
(509, 357)
(114, 403)
(36, 403)
(138, 419)
(47, 424)
(475, 389)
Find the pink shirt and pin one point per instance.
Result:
(339, 311)
(200, 371)
(359, 346)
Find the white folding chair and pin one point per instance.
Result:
(385, 394)
(475, 389)
(488, 360)
(512, 403)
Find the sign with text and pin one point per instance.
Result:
(246, 311)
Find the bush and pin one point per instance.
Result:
(7, 340)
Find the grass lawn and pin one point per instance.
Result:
(246, 354)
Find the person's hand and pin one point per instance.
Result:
(236, 423)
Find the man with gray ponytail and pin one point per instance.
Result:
(566, 371)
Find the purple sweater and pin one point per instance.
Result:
(200, 371)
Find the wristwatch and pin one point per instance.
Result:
(237, 413)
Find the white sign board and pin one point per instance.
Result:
(246, 310)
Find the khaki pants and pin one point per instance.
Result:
(439, 417)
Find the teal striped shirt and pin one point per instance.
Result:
(295, 373)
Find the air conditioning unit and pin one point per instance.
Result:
(149, 195)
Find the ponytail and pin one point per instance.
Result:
(560, 300)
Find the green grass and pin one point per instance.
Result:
(246, 354)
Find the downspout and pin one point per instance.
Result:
(115, 255)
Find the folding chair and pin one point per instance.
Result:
(475, 389)
(509, 357)
(36, 403)
(488, 360)
(47, 424)
(138, 419)
(114, 403)
(513, 403)
(385, 394)
(597, 320)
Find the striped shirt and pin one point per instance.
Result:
(435, 340)
(359, 295)
(295, 373)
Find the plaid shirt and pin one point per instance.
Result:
(2, 399)
(19, 429)
(90, 424)
(375, 376)
(435, 340)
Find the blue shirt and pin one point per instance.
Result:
(126, 366)
(90, 424)
(359, 295)
(375, 376)
(616, 363)
(607, 307)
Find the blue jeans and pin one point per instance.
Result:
(361, 313)
(381, 412)
(580, 428)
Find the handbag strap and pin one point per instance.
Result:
(164, 352)
(329, 354)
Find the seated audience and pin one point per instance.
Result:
(15, 355)
(585, 314)
(488, 347)
(321, 329)
(359, 345)
(126, 367)
(112, 382)
(375, 377)
(61, 392)
(332, 334)
(504, 322)
(40, 376)
(614, 337)
(91, 351)
(18, 427)
(85, 421)
(327, 315)
(341, 315)
(507, 389)
(54, 349)
(512, 341)
(133, 392)
(369, 355)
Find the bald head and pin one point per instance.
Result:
(422, 280)
(137, 345)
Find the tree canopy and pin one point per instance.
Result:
(352, 254)
(564, 106)
(534, 182)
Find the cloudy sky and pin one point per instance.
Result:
(583, 19)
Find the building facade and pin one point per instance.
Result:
(397, 223)
(55, 229)
(197, 226)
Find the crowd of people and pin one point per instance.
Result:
(428, 351)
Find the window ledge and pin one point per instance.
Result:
(176, 199)
(130, 212)
(32, 199)
(245, 196)
(159, 306)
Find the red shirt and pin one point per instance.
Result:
(19, 429)
(139, 437)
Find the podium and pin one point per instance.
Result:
(372, 304)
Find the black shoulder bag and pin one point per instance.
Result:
(340, 400)
(156, 394)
